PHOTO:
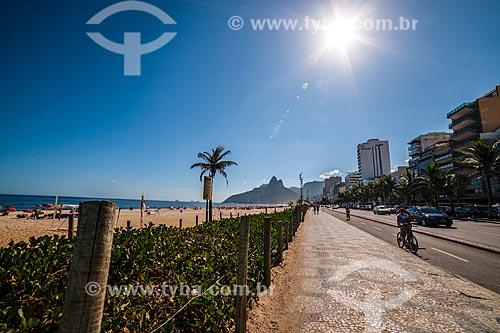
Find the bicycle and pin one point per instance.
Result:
(409, 242)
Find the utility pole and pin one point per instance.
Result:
(301, 185)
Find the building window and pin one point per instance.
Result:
(476, 181)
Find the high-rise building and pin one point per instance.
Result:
(373, 159)
(329, 185)
(471, 121)
(423, 148)
(351, 179)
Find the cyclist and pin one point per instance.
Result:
(404, 218)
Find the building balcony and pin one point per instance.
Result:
(446, 166)
(443, 159)
(442, 151)
(413, 163)
(465, 133)
(460, 110)
(464, 121)
(463, 144)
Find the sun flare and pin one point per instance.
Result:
(340, 33)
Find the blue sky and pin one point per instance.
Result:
(73, 124)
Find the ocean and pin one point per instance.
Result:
(22, 202)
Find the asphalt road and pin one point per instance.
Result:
(479, 266)
(478, 232)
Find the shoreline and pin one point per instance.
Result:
(21, 229)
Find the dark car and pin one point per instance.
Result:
(464, 212)
(482, 211)
(428, 216)
(447, 210)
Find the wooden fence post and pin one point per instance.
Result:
(84, 299)
(220, 214)
(128, 224)
(196, 219)
(280, 241)
(180, 223)
(241, 296)
(290, 229)
(267, 252)
(287, 237)
(71, 222)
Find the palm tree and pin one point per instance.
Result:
(389, 186)
(409, 185)
(434, 181)
(454, 184)
(483, 158)
(213, 163)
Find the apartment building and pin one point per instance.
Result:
(373, 159)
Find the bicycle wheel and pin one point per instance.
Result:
(400, 240)
(413, 245)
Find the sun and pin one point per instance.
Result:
(339, 33)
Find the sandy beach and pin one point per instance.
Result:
(21, 229)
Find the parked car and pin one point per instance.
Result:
(428, 216)
(381, 210)
(464, 212)
(482, 211)
(394, 209)
(447, 210)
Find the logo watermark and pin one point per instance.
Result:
(131, 49)
(170, 291)
(324, 24)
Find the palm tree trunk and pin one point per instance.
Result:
(490, 197)
(210, 209)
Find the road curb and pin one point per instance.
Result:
(448, 238)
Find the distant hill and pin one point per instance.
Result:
(273, 193)
(315, 189)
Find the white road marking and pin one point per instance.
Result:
(376, 228)
(451, 255)
(489, 233)
(363, 223)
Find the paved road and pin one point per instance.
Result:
(478, 232)
(476, 265)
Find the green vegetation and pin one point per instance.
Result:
(34, 275)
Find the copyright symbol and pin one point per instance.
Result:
(92, 288)
(235, 22)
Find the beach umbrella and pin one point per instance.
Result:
(48, 205)
(10, 208)
(28, 211)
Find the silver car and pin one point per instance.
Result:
(382, 210)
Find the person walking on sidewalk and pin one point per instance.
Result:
(347, 213)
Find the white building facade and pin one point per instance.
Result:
(373, 159)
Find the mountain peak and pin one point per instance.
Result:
(273, 180)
